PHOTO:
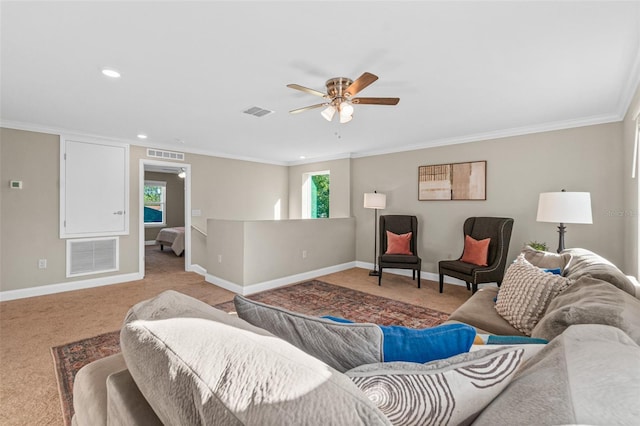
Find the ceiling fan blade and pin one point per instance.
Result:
(295, 111)
(376, 101)
(307, 90)
(363, 81)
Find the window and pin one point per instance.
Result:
(155, 194)
(315, 195)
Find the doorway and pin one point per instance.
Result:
(164, 205)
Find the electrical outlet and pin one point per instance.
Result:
(42, 263)
(304, 254)
(219, 258)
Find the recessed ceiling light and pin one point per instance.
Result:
(142, 136)
(110, 73)
(302, 157)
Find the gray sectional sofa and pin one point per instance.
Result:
(186, 363)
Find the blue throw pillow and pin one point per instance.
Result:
(423, 345)
(492, 339)
(554, 271)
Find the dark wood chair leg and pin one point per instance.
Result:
(413, 274)
(380, 276)
(475, 288)
(418, 278)
(441, 282)
(499, 283)
(468, 285)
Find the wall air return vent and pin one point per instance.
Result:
(257, 111)
(87, 256)
(165, 155)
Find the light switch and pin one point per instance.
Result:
(15, 184)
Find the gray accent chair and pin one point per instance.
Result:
(399, 224)
(499, 230)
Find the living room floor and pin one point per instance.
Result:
(30, 327)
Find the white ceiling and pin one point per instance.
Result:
(464, 71)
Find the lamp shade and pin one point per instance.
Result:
(328, 112)
(373, 200)
(564, 207)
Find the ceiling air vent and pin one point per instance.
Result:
(257, 111)
(156, 153)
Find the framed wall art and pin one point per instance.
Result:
(455, 181)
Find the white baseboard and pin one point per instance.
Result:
(197, 269)
(70, 286)
(432, 276)
(278, 282)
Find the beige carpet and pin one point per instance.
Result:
(30, 327)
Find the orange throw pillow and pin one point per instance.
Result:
(475, 252)
(398, 244)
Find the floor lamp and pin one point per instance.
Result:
(564, 207)
(373, 200)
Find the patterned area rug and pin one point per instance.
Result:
(312, 298)
(319, 298)
(70, 358)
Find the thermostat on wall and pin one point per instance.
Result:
(15, 184)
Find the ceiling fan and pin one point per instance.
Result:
(340, 96)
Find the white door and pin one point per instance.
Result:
(94, 189)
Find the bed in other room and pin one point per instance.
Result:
(173, 237)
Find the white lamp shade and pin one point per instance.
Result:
(564, 207)
(328, 112)
(346, 112)
(374, 200)
(346, 108)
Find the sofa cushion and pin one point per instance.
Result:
(591, 301)
(341, 345)
(585, 262)
(172, 304)
(547, 260)
(166, 358)
(479, 311)
(90, 390)
(199, 371)
(588, 375)
(526, 292)
(450, 391)
(125, 403)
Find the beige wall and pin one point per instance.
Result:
(221, 188)
(247, 253)
(30, 217)
(234, 190)
(631, 207)
(339, 187)
(518, 169)
(594, 159)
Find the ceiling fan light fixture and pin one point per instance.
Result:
(345, 118)
(346, 112)
(329, 112)
(346, 108)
